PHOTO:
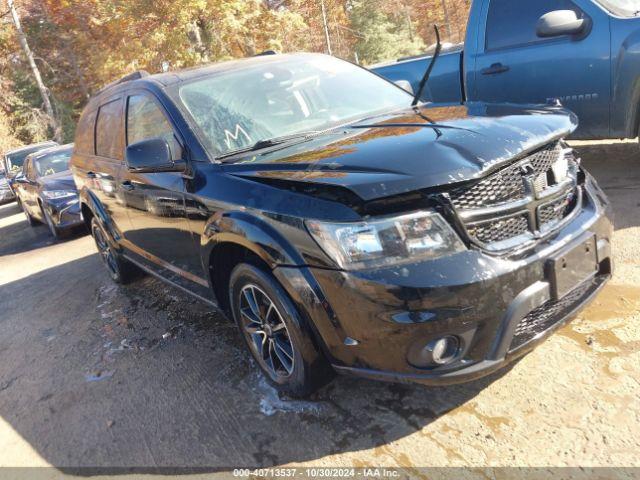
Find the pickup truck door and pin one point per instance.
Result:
(159, 235)
(514, 65)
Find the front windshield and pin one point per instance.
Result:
(52, 163)
(236, 109)
(622, 8)
(16, 160)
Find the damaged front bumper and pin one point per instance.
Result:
(376, 324)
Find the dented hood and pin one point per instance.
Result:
(412, 149)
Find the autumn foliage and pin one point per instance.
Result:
(80, 45)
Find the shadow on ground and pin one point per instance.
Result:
(96, 375)
(18, 237)
(140, 376)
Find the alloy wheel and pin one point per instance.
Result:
(267, 331)
(106, 253)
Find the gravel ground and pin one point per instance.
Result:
(92, 374)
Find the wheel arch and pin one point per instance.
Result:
(91, 207)
(236, 237)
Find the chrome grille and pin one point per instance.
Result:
(521, 201)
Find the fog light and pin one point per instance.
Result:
(444, 350)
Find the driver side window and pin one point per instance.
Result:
(145, 120)
(511, 24)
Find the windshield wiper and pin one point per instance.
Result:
(267, 143)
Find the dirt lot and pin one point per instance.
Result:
(97, 375)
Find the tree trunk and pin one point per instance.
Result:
(326, 27)
(53, 122)
(447, 19)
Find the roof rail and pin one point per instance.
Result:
(127, 78)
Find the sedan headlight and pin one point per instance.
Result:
(386, 241)
(58, 194)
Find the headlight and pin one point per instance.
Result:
(58, 194)
(386, 241)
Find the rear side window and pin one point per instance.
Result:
(511, 23)
(84, 143)
(108, 131)
(146, 120)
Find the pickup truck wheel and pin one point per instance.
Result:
(275, 333)
(120, 270)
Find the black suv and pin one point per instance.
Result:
(341, 228)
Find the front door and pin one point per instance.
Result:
(159, 231)
(514, 65)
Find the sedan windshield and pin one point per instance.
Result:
(285, 97)
(622, 8)
(16, 160)
(52, 163)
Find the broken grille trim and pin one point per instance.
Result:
(539, 163)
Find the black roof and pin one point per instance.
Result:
(170, 78)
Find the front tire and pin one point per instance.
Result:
(120, 270)
(55, 231)
(30, 220)
(276, 334)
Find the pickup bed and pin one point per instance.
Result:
(585, 53)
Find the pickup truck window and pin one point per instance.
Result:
(286, 96)
(622, 8)
(511, 24)
(145, 120)
(108, 131)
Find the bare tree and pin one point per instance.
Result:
(326, 27)
(44, 92)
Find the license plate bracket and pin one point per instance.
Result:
(572, 266)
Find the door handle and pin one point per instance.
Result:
(495, 69)
(91, 175)
(127, 185)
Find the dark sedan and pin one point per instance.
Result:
(46, 190)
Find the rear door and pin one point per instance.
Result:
(159, 233)
(98, 168)
(514, 65)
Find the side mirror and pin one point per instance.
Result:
(152, 155)
(405, 85)
(560, 22)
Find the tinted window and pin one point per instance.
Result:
(146, 120)
(108, 132)
(84, 133)
(511, 23)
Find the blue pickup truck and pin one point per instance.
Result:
(586, 53)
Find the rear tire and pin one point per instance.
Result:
(120, 269)
(275, 333)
